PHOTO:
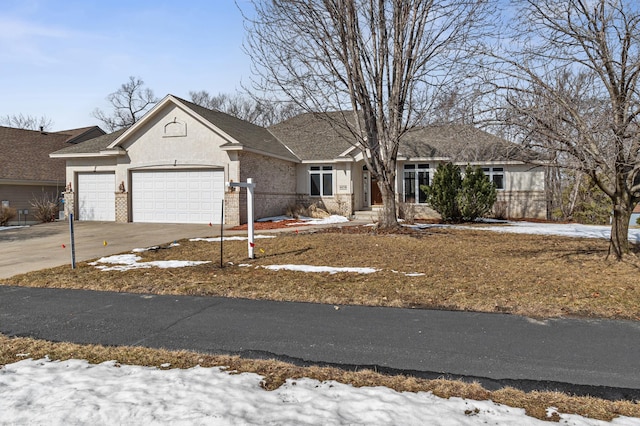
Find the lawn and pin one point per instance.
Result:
(437, 268)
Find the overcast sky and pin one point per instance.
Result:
(61, 58)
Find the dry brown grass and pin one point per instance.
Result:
(532, 275)
(275, 373)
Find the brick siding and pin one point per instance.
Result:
(275, 185)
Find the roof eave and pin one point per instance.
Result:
(26, 182)
(239, 147)
(76, 155)
(116, 152)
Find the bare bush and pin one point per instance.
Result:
(407, 212)
(45, 207)
(7, 214)
(312, 211)
(500, 210)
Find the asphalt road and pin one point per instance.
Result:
(596, 357)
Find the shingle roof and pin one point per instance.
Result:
(247, 134)
(82, 134)
(92, 146)
(312, 138)
(461, 143)
(24, 154)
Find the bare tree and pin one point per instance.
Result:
(260, 111)
(572, 80)
(454, 107)
(27, 122)
(379, 62)
(130, 102)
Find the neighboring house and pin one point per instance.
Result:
(172, 165)
(27, 171)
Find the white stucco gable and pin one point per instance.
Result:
(171, 118)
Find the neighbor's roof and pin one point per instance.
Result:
(312, 137)
(25, 153)
(92, 146)
(82, 134)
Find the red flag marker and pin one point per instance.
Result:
(252, 244)
(63, 246)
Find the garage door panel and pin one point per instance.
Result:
(177, 196)
(96, 196)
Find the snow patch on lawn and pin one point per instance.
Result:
(6, 228)
(217, 239)
(307, 220)
(317, 269)
(152, 248)
(127, 262)
(560, 229)
(322, 221)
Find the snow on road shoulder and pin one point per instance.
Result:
(76, 392)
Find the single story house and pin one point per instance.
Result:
(172, 166)
(27, 171)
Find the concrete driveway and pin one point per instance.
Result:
(41, 246)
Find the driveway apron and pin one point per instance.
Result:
(48, 245)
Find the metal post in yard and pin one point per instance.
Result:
(250, 187)
(221, 232)
(73, 242)
(250, 238)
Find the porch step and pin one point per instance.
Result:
(369, 215)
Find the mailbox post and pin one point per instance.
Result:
(250, 187)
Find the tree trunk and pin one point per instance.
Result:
(388, 217)
(619, 242)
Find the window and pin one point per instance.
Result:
(414, 176)
(496, 175)
(321, 180)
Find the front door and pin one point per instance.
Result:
(376, 195)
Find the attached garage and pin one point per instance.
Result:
(177, 196)
(96, 196)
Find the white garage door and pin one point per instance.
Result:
(177, 196)
(96, 196)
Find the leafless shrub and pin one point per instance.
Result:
(407, 212)
(45, 207)
(312, 210)
(500, 210)
(7, 214)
